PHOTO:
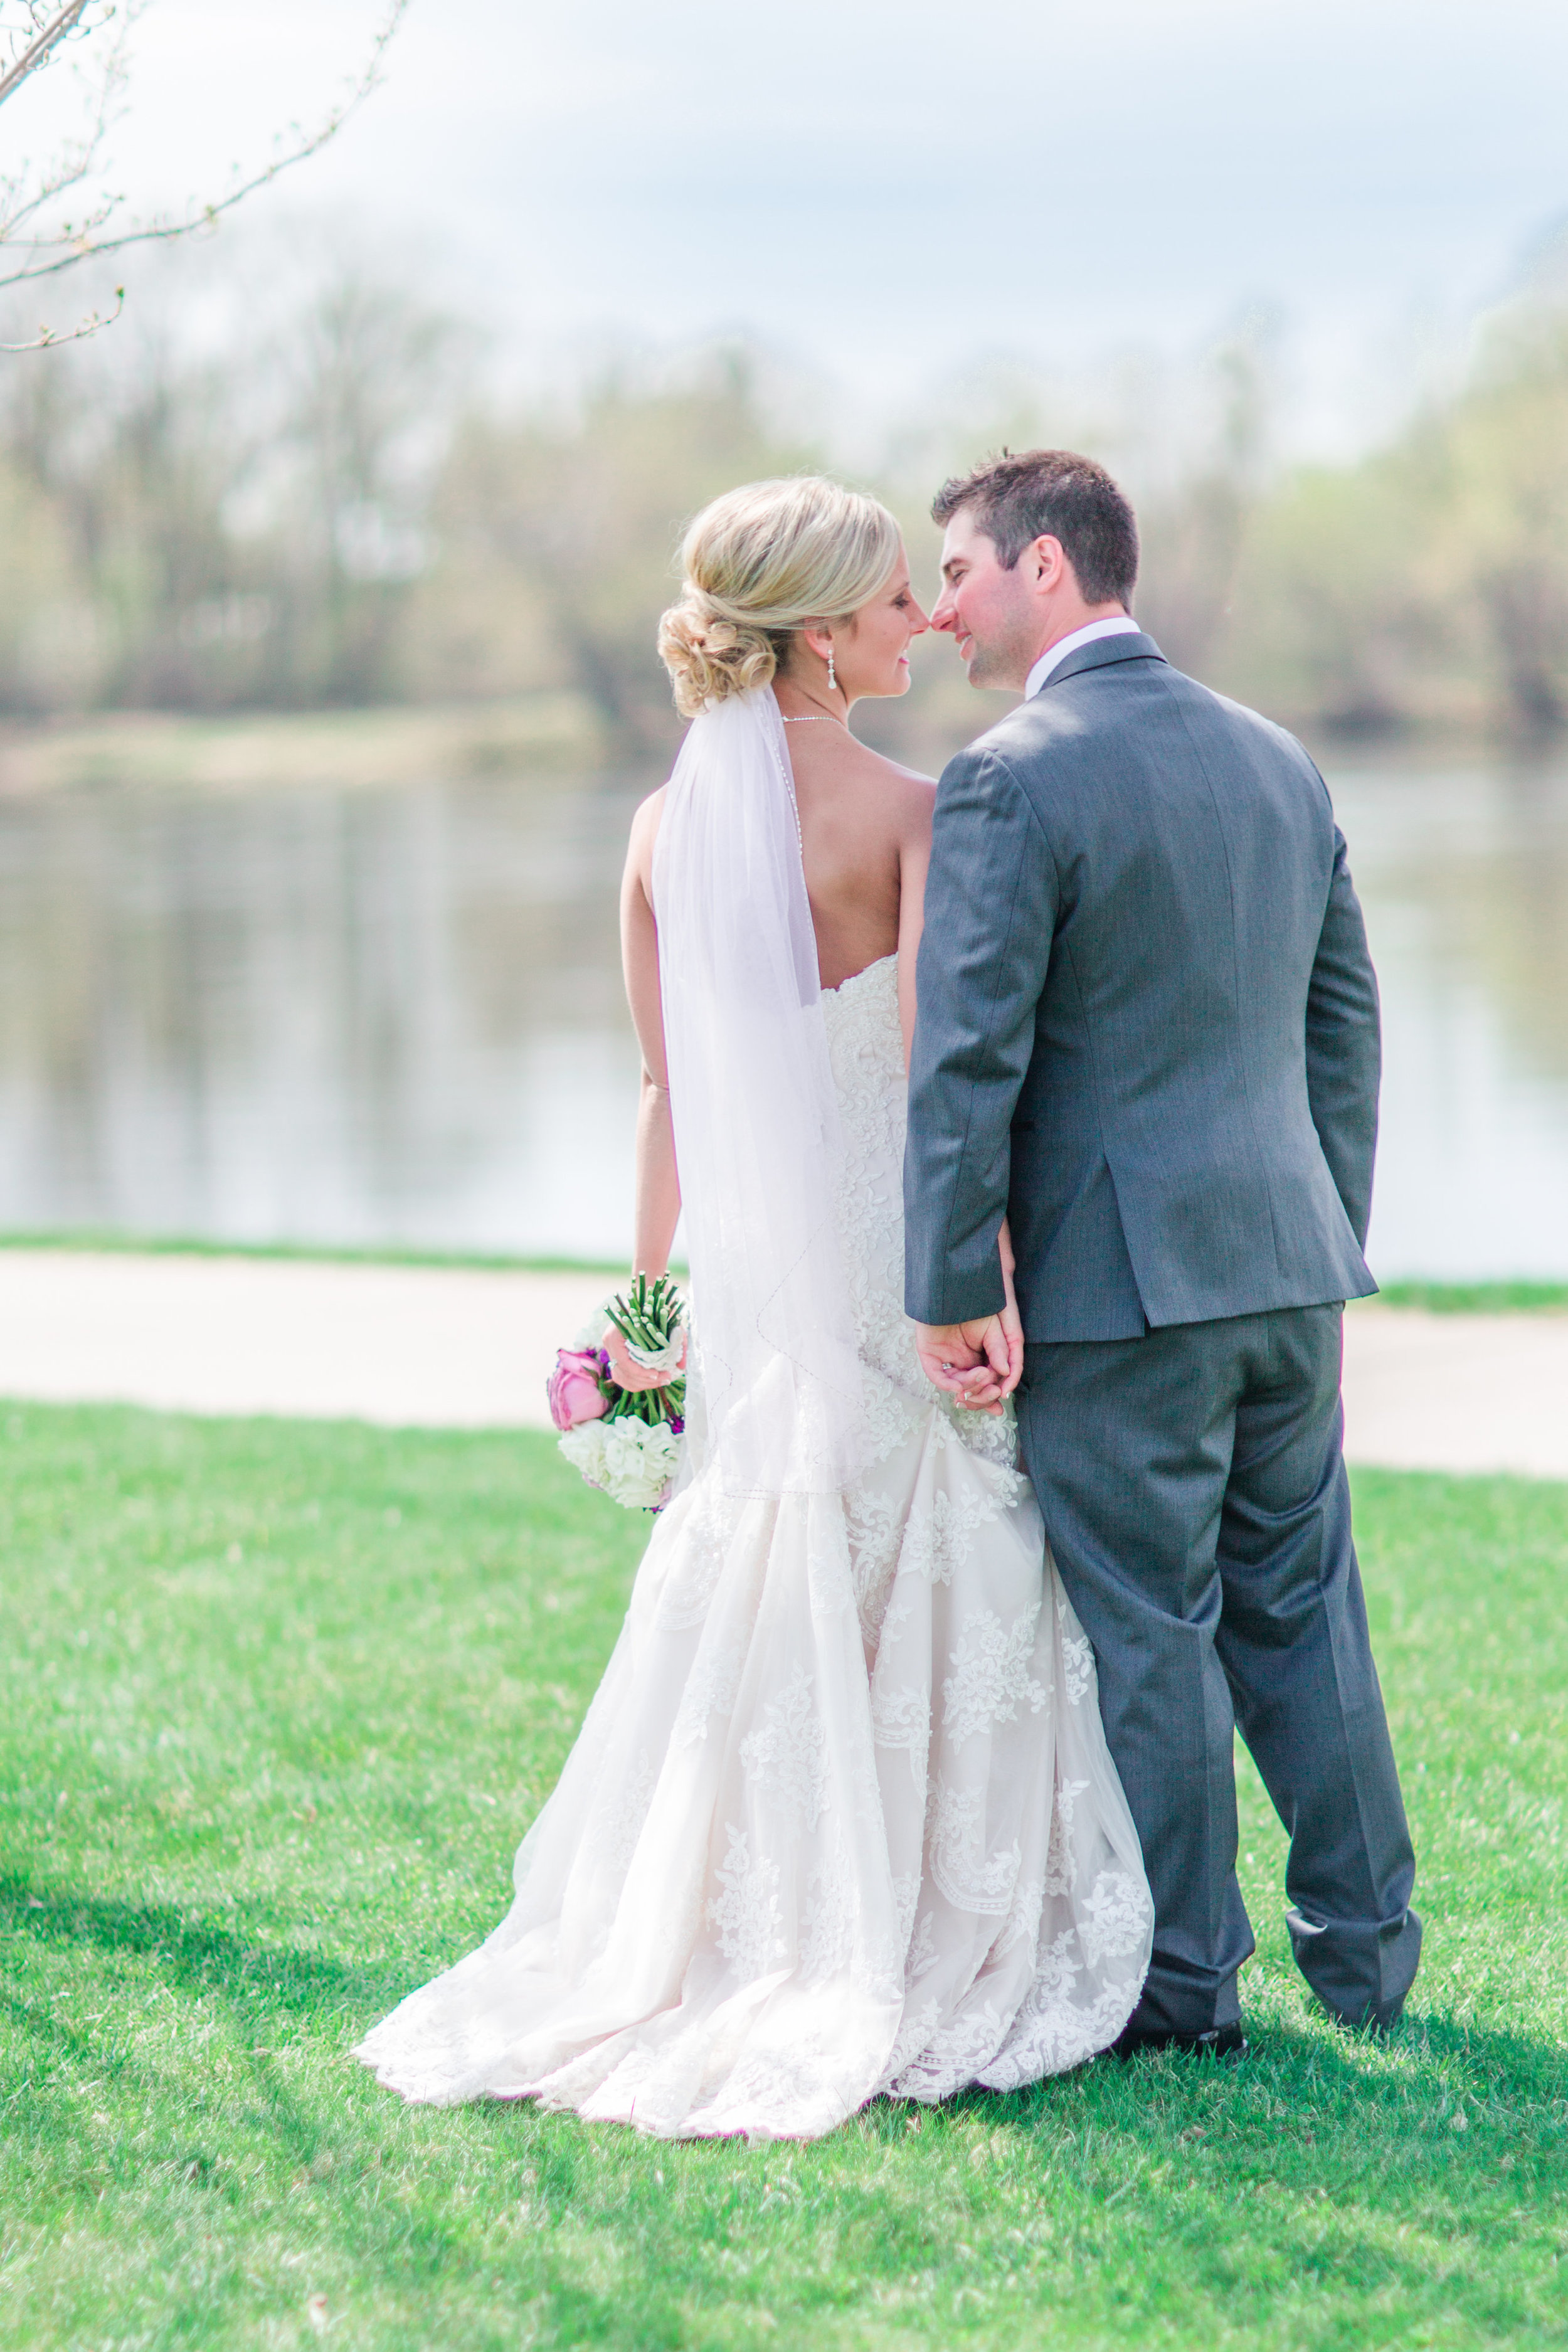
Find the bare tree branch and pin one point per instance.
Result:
(47, 337)
(27, 190)
(34, 57)
(48, 252)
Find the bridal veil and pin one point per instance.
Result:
(756, 1120)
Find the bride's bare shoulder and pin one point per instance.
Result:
(904, 792)
(642, 835)
(849, 760)
(896, 770)
(645, 819)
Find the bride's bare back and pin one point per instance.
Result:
(865, 828)
(865, 822)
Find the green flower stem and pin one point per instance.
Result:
(647, 1315)
(652, 1405)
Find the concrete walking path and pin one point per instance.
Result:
(458, 1348)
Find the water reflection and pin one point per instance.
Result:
(348, 1017)
(1464, 875)
(363, 1017)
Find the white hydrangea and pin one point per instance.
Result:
(595, 1332)
(632, 1461)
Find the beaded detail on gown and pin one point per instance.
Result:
(841, 1818)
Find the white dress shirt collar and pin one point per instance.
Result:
(1120, 627)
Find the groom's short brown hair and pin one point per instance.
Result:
(1052, 492)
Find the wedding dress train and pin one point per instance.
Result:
(841, 1818)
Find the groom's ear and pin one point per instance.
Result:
(1048, 562)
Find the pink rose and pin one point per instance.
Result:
(573, 1388)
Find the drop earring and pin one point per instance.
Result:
(832, 680)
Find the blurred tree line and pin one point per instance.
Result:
(1427, 585)
(322, 510)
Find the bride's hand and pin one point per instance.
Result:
(980, 1364)
(969, 1361)
(627, 1373)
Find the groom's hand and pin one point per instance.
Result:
(979, 1363)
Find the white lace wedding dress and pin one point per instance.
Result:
(841, 1818)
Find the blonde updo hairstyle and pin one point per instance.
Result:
(761, 563)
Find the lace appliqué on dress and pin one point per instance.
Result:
(991, 1679)
(746, 1912)
(787, 1757)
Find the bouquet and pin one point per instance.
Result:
(626, 1441)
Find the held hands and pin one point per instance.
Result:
(979, 1363)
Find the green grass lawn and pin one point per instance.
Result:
(1475, 1297)
(278, 1701)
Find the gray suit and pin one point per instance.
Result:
(1148, 1034)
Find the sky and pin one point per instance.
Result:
(893, 195)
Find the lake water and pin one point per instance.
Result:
(368, 1017)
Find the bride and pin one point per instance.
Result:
(841, 1820)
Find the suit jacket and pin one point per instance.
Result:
(1148, 1026)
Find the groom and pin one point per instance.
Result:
(1148, 1037)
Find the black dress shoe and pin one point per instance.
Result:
(1220, 2042)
